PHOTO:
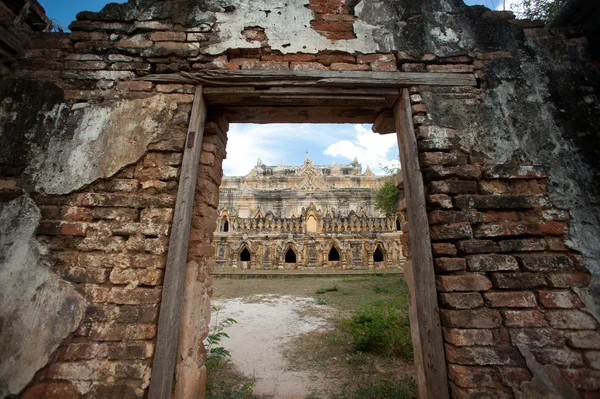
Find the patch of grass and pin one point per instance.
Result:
(224, 381)
(324, 290)
(381, 289)
(404, 388)
(381, 327)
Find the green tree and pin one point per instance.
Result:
(388, 196)
(546, 10)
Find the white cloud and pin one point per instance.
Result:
(275, 143)
(375, 150)
(511, 5)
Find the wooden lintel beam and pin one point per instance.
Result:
(384, 123)
(311, 78)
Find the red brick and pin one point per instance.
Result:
(445, 217)
(328, 58)
(476, 318)
(75, 213)
(537, 337)
(341, 66)
(266, 65)
(307, 66)
(501, 229)
(413, 67)
(477, 246)
(515, 299)
(439, 201)
(134, 296)
(568, 280)
(130, 350)
(523, 245)
(73, 229)
(523, 318)
(465, 282)
(468, 337)
(556, 244)
(442, 158)
(296, 57)
(558, 357)
(518, 280)
(583, 339)
(461, 300)
(455, 231)
(571, 319)
(443, 249)
(119, 332)
(560, 299)
(514, 376)
(85, 65)
(368, 58)
(451, 187)
(472, 377)
(490, 263)
(484, 356)
(461, 68)
(582, 378)
(544, 263)
(449, 264)
(495, 201)
(383, 66)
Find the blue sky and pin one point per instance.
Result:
(287, 143)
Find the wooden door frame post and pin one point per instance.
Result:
(165, 353)
(426, 331)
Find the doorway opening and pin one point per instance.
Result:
(378, 254)
(245, 255)
(333, 255)
(290, 256)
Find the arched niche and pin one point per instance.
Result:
(290, 255)
(333, 255)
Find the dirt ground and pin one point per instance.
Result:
(289, 340)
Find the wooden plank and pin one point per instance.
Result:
(432, 381)
(299, 114)
(384, 123)
(315, 96)
(218, 77)
(163, 367)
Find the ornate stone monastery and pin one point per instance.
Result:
(305, 216)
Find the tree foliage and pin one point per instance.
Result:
(546, 10)
(388, 196)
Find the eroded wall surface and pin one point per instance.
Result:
(509, 167)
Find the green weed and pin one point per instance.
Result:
(335, 288)
(381, 327)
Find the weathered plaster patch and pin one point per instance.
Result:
(105, 138)
(37, 309)
(289, 21)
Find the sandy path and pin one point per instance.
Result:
(256, 341)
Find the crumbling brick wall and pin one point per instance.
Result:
(513, 247)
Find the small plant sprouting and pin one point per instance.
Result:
(213, 350)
